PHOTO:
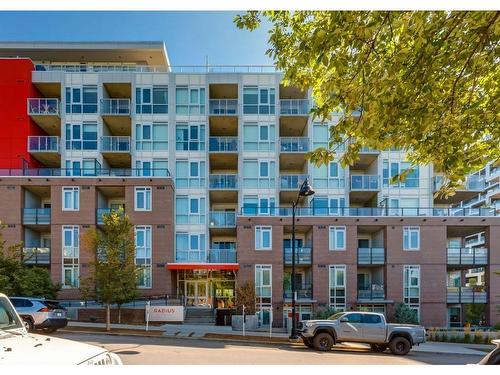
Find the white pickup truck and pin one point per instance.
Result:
(362, 327)
(18, 347)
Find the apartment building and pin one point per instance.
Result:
(219, 152)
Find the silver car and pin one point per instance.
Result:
(38, 313)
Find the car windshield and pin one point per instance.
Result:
(335, 316)
(8, 316)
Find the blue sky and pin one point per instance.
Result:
(189, 36)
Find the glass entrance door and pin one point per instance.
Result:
(196, 293)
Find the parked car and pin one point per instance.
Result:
(362, 327)
(493, 357)
(38, 313)
(21, 347)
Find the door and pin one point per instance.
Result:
(454, 316)
(363, 243)
(373, 328)
(352, 328)
(197, 293)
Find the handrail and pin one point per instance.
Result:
(43, 143)
(467, 256)
(371, 255)
(84, 68)
(84, 172)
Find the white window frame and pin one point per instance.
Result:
(147, 197)
(259, 269)
(407, 231)
(332, 238)
(406, 288)
(70, 259)
(148, 254)
(74, 200)
(259, 236)
(332, 284)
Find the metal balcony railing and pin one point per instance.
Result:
(36, 255)
(223, 181)
(467, 256)
(371, 292)
(115, 144)
(292, 181)
(222, 256)
(85, 172)
(36, 216)
(43, 144)
(464, 294)
(43, 106)
(293, 107)
(115, 107)
(223, 144)
(223, 107)
(365, 182)
(222, 219)
(294, 144)
(304, 291)
(371, 255)
(109, 68)
(303, 255)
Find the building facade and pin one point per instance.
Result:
(207, 161)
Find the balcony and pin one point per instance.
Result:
(222, 219)
(477, 256)
(45, 149)
(294, 107)
(303, 292)
(223, 107)
(364, 188)
(371, 256)
(373, 292)
(36, 255)
(36, 216)
(294, 144)
(45, 112)
(115, 144)
(303, 256)
(222, 256)
(223, 144)
(78, 172)
(469, 190)
(100, 212)
(223, 181)
(477, 294)
(292, 181)
(115, 107)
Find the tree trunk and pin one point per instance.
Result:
(108, 317)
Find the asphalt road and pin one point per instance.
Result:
(136, 350)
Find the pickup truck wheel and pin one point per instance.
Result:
(378, 347)
(323, 342)
(28, 324)
(399, 346)
(308, 343)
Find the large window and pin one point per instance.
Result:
(259, 137)
(189, 210)
(151, 137)
(190, 174)
(411, 287)
(189, 137)
(71, 198)
(258, 174)
(337, 238)
(337, 287)
(328, 176)
(190, 101)
(263, 283)
(151, 167)
(143, 255)
(392, 169)
(142, 199)
(81, 137)
(151, 100)
(263, 237)
(190, 247)
(81, 99)
(71, 254)
(411, 238)
(259, 100)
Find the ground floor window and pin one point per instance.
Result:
(372, 308)
(337, 287)
(302, 312)
(207, 288)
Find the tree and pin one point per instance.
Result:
(426, 82)
(245, 296)
(404, 315)
(113, 274)
(19, 279)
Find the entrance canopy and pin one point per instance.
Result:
(203, 266)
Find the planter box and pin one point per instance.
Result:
(251, 322)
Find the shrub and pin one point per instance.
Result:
(497, 326)
(467, 338)
(453, 338)
(486, 339)
(403, 314)
(478, 338)
(444, 338)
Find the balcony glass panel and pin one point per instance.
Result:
(467, 256)
(36, 255)
(40, 216)
(115, 106)
(223, 181)
(302, 255)
(222, 219)
(294, 144)
(115, 144)
(43, 144)
(365, 182)
(291, 107)
(222, 256)
(223, 144)
(371, 255)
(223, 107)
(43, 106)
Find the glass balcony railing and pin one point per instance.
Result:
(36, 255)
(43, 107)
(472, 183)
(85, 172)
(222, 219)
(43, 144)
(371, 292)
(365, 182)
(293, 107)
(223, 107)
(294, 144)
(223, 181)
(467, 256)
(292, 181)
(115, 144)
(223, 144)
(36, 216)
(304, 291)
(371, 255)
(463, 294)
(222, 256)
(303, 255)
(115, 107)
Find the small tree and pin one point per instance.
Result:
(113, 275)
(404, 315)
(245, 296)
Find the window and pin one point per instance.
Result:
(151, 167)
(143, 199)
(259, 100)
(189, 210)
(82, 167)
(189, 137)
(259, 137)
(258, 174)
(71, 198)
(190, 174)
(329, 176)
(354, 318)
(81, 137)
(263, 283)
(151, 99)
(263, 238)
(392, 169)
(411, 238)
(190, 247)
(337, 287)
(411, 287)
(329, 205)
(143, 255)
(371, 319)
(70, 254)
(321, 137)
(337, 238)
(151, 137)
(190, 101)
(81, 99)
